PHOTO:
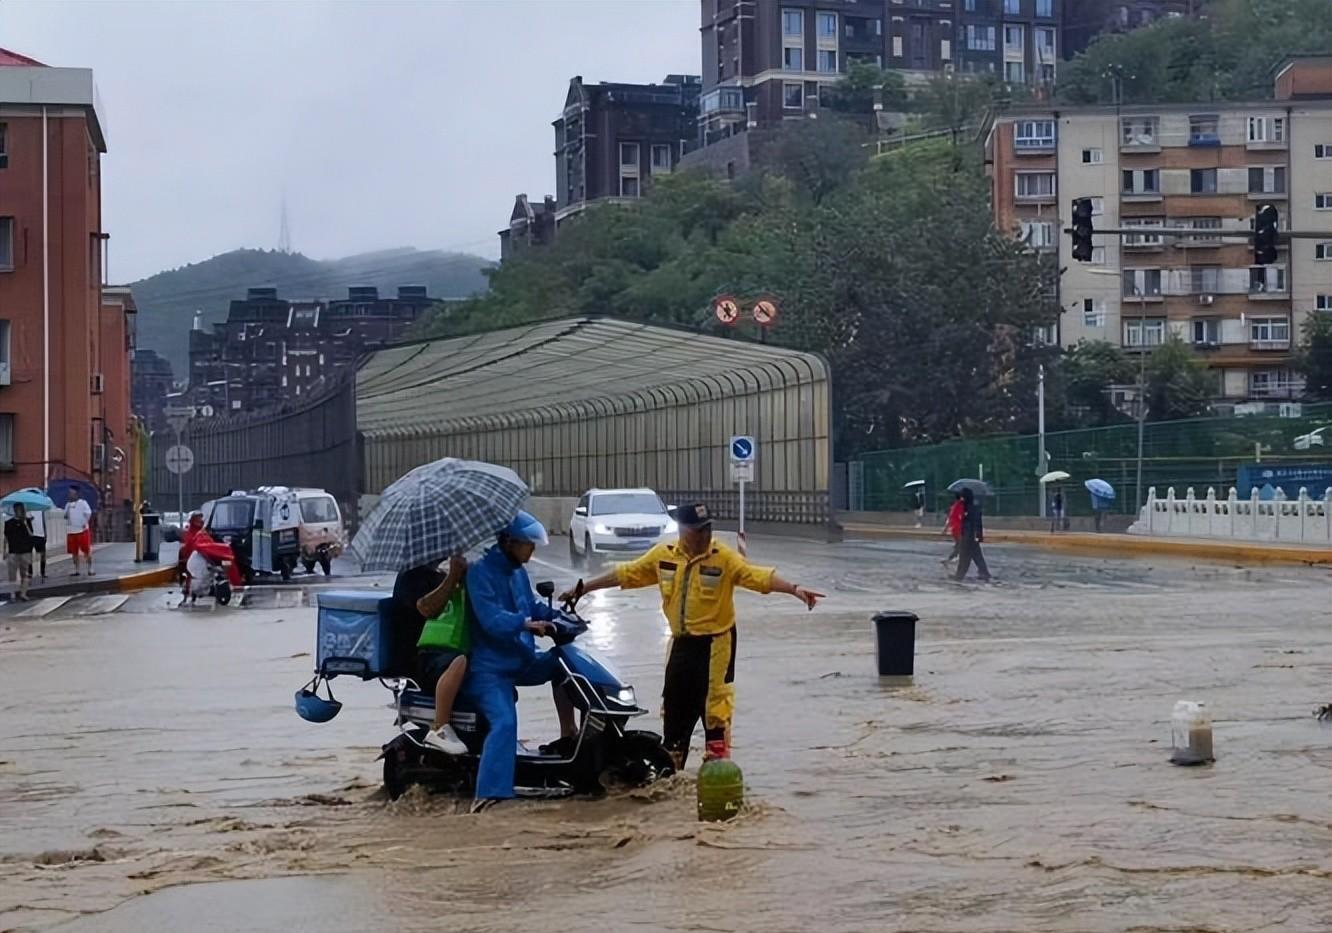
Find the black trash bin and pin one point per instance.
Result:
(895, 634)
(152, 535)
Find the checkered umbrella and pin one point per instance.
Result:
(436, 510)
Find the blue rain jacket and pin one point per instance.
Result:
(501, 601)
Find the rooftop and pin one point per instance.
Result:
(8, 58)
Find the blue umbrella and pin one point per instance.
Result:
(30, 498)
(1099, 487)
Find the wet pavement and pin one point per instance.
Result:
(154, 775)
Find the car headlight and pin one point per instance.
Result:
(601, 529)
(627, 696)
(671, 528)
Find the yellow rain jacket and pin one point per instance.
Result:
(697, 594)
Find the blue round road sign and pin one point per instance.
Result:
(742, 448)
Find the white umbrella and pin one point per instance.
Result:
(1054, 476)
(913, 484)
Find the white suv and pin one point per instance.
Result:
(617, 524)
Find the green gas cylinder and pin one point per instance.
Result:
(721, 786)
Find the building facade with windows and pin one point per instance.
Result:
(765, 61)
(611, 140)
(65, 345)
(1084, 20)
(1202, 167)
(272, 350)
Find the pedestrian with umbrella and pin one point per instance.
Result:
(35, 503)
(973, 533)
(1103, 498)
(420, 529)
(1057, 519)
(18, 544)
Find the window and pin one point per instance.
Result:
(793, 59)
(1014, 41)
(946, 49)
(1274, 383)
(793, 95)
(4, 352)
(7, 440)
(1323, 302)
(1045, 7)
(1203, 130)
(1047, 73)
(1321, 150)
(1098, 256)
(1036, 184)
(661, 158)
(1142, 283)
(793, 22)
(1144, 332)
(1092, 157)
(1093, 313)
(4, 148)
(1140, 131)
(629, 155)
(1045, 44)
(6, 244)
(1322, 201)
(897, 46)
(980, 38)
(1037, 234)
(970, 6)
(1098, 206)
(628, 186)
(1204, 280)
(1267, 179)
(828, 61)
(827, 25)
(1267, 280)
(1143, 239)
(1013, 6)
(1206, 331)
(1141, 181)
(1269, 332)
(1202, 180)
(1014, 73)
(1323, 251)
(1034, 134)
(1267, 129)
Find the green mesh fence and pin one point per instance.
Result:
(1199, 452)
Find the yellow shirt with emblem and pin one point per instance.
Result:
(698, 593)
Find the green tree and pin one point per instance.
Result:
(1083, 377)
(1315, 359)
(856, 92)
(1179, 385)
(821, 155)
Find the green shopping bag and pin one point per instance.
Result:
(449, 628)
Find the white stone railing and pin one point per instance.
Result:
(1294, 521)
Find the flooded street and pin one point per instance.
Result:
(153, 774)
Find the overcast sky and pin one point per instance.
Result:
(385, 124)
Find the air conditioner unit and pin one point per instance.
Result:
(1206, 299)
(97, 383)
(1291, 410)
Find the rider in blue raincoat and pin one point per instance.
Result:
(504, 653)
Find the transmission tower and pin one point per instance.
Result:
(284, 231)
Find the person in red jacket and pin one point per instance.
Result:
(187, 540)
(953, 526)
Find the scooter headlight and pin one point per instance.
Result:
(627, 696)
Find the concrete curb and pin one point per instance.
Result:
(122, 583)
(1123, 545)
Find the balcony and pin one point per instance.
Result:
(1269, 195)
(1270, 344)
(1277, 389)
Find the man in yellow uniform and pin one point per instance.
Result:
(697, 577)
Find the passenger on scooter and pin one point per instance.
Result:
(504, 656)
(433, 604)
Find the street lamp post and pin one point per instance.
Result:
(1142, 390)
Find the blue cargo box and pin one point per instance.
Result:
(353, 633)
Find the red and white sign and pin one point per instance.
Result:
(765, 312)
(727, 309)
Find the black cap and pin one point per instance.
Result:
(693, 516)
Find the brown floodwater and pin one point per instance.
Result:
(153, 774)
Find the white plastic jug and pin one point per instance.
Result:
(1191, 734)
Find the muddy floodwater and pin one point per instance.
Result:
(153, 775)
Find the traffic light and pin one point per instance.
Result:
(1082, 229)
(1265, 235)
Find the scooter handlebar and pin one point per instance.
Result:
(567, 627)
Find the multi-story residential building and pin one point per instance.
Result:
(529, 225)
(272, 350)
(1205, 167)
(65, 342)
(1084, 20)
(611, 140)
(153, 382)
(765, 61)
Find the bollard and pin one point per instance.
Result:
(895, 634)
(152, 535)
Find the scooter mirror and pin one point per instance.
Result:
(546, 589)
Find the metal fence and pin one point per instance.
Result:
(313, 443)
(1199, 452)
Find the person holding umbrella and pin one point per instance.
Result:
(18, 541)
(973, 534)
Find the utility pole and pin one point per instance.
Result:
(1142, 389)
(1042, 464)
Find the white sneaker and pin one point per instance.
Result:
(446, 740)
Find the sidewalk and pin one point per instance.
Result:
(1118, 545)
(115, 572)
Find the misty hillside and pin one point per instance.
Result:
(167, 301)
